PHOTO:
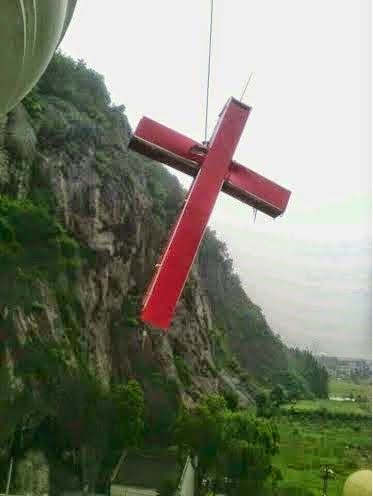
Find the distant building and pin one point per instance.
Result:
(345, 367)
(142, 475)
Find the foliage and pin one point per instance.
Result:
(278, 395)
(33, 246)
(76, 83)
(33, 103)
(40, 193)
(33, 240)
(130, 310)
(20, 135)
(307, 444)
(231, 399)
(233, 445)
(80, 414)
(129, 405)
(244, 331)
(4, 164)
(314, 374)
(344, 388)
(250, 445)
(233, 365)
(182, 370)
(163, 404)
(13, 407)
(246, 334)
(328, 409)
(165, 192)
(102, 164)
(293, 383)
(264, 407)
(220, 348)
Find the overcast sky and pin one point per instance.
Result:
(310, 130)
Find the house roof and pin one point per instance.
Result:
(147, 471)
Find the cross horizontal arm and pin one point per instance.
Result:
(172, 148)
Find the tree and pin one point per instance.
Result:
(231, 399)
(128, 410)
(278, 395)
(314, 375)
(233, 446)
(200, 434)
(80, 414)
(33, 247)
(249, 446)
(263, 405)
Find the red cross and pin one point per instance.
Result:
(214, 170)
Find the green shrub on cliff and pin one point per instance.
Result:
(33, 247)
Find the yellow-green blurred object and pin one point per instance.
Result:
(359, 484)
(30, 32)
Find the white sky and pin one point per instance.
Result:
(310, 130)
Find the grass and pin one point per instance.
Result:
(332, 407)
(308, 445)
(343, 388)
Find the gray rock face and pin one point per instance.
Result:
(106, 206)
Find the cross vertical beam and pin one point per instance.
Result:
(168, 282)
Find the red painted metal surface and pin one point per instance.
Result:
(168, 282)
(240, 182)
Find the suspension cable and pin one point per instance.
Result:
(209, 69)
(245, 88)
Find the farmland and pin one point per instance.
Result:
(309, 444)
(344, 388)
(319, 433)
(338, 408)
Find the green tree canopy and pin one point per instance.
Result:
(278, 395)
(232, 446)
(80, 413)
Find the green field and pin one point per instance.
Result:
(333, 407)
(308, 445)
(343, 388)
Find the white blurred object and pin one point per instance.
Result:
(359, 484)
(30, 32)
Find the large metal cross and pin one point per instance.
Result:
(214, 170)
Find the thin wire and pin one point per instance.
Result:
(247, 84)
(209, 70)
(255, 211)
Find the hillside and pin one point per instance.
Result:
(82, 223)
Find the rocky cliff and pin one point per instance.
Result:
(64, 150)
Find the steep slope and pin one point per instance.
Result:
(240, 327)
(241, 323)
(65, 149)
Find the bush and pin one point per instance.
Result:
(75, 82)
(263, 405)
(33, 103)
(130, 310)
(278, 395)
(233, 365)
(33, 246)
(182, 370)
(232, 400)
